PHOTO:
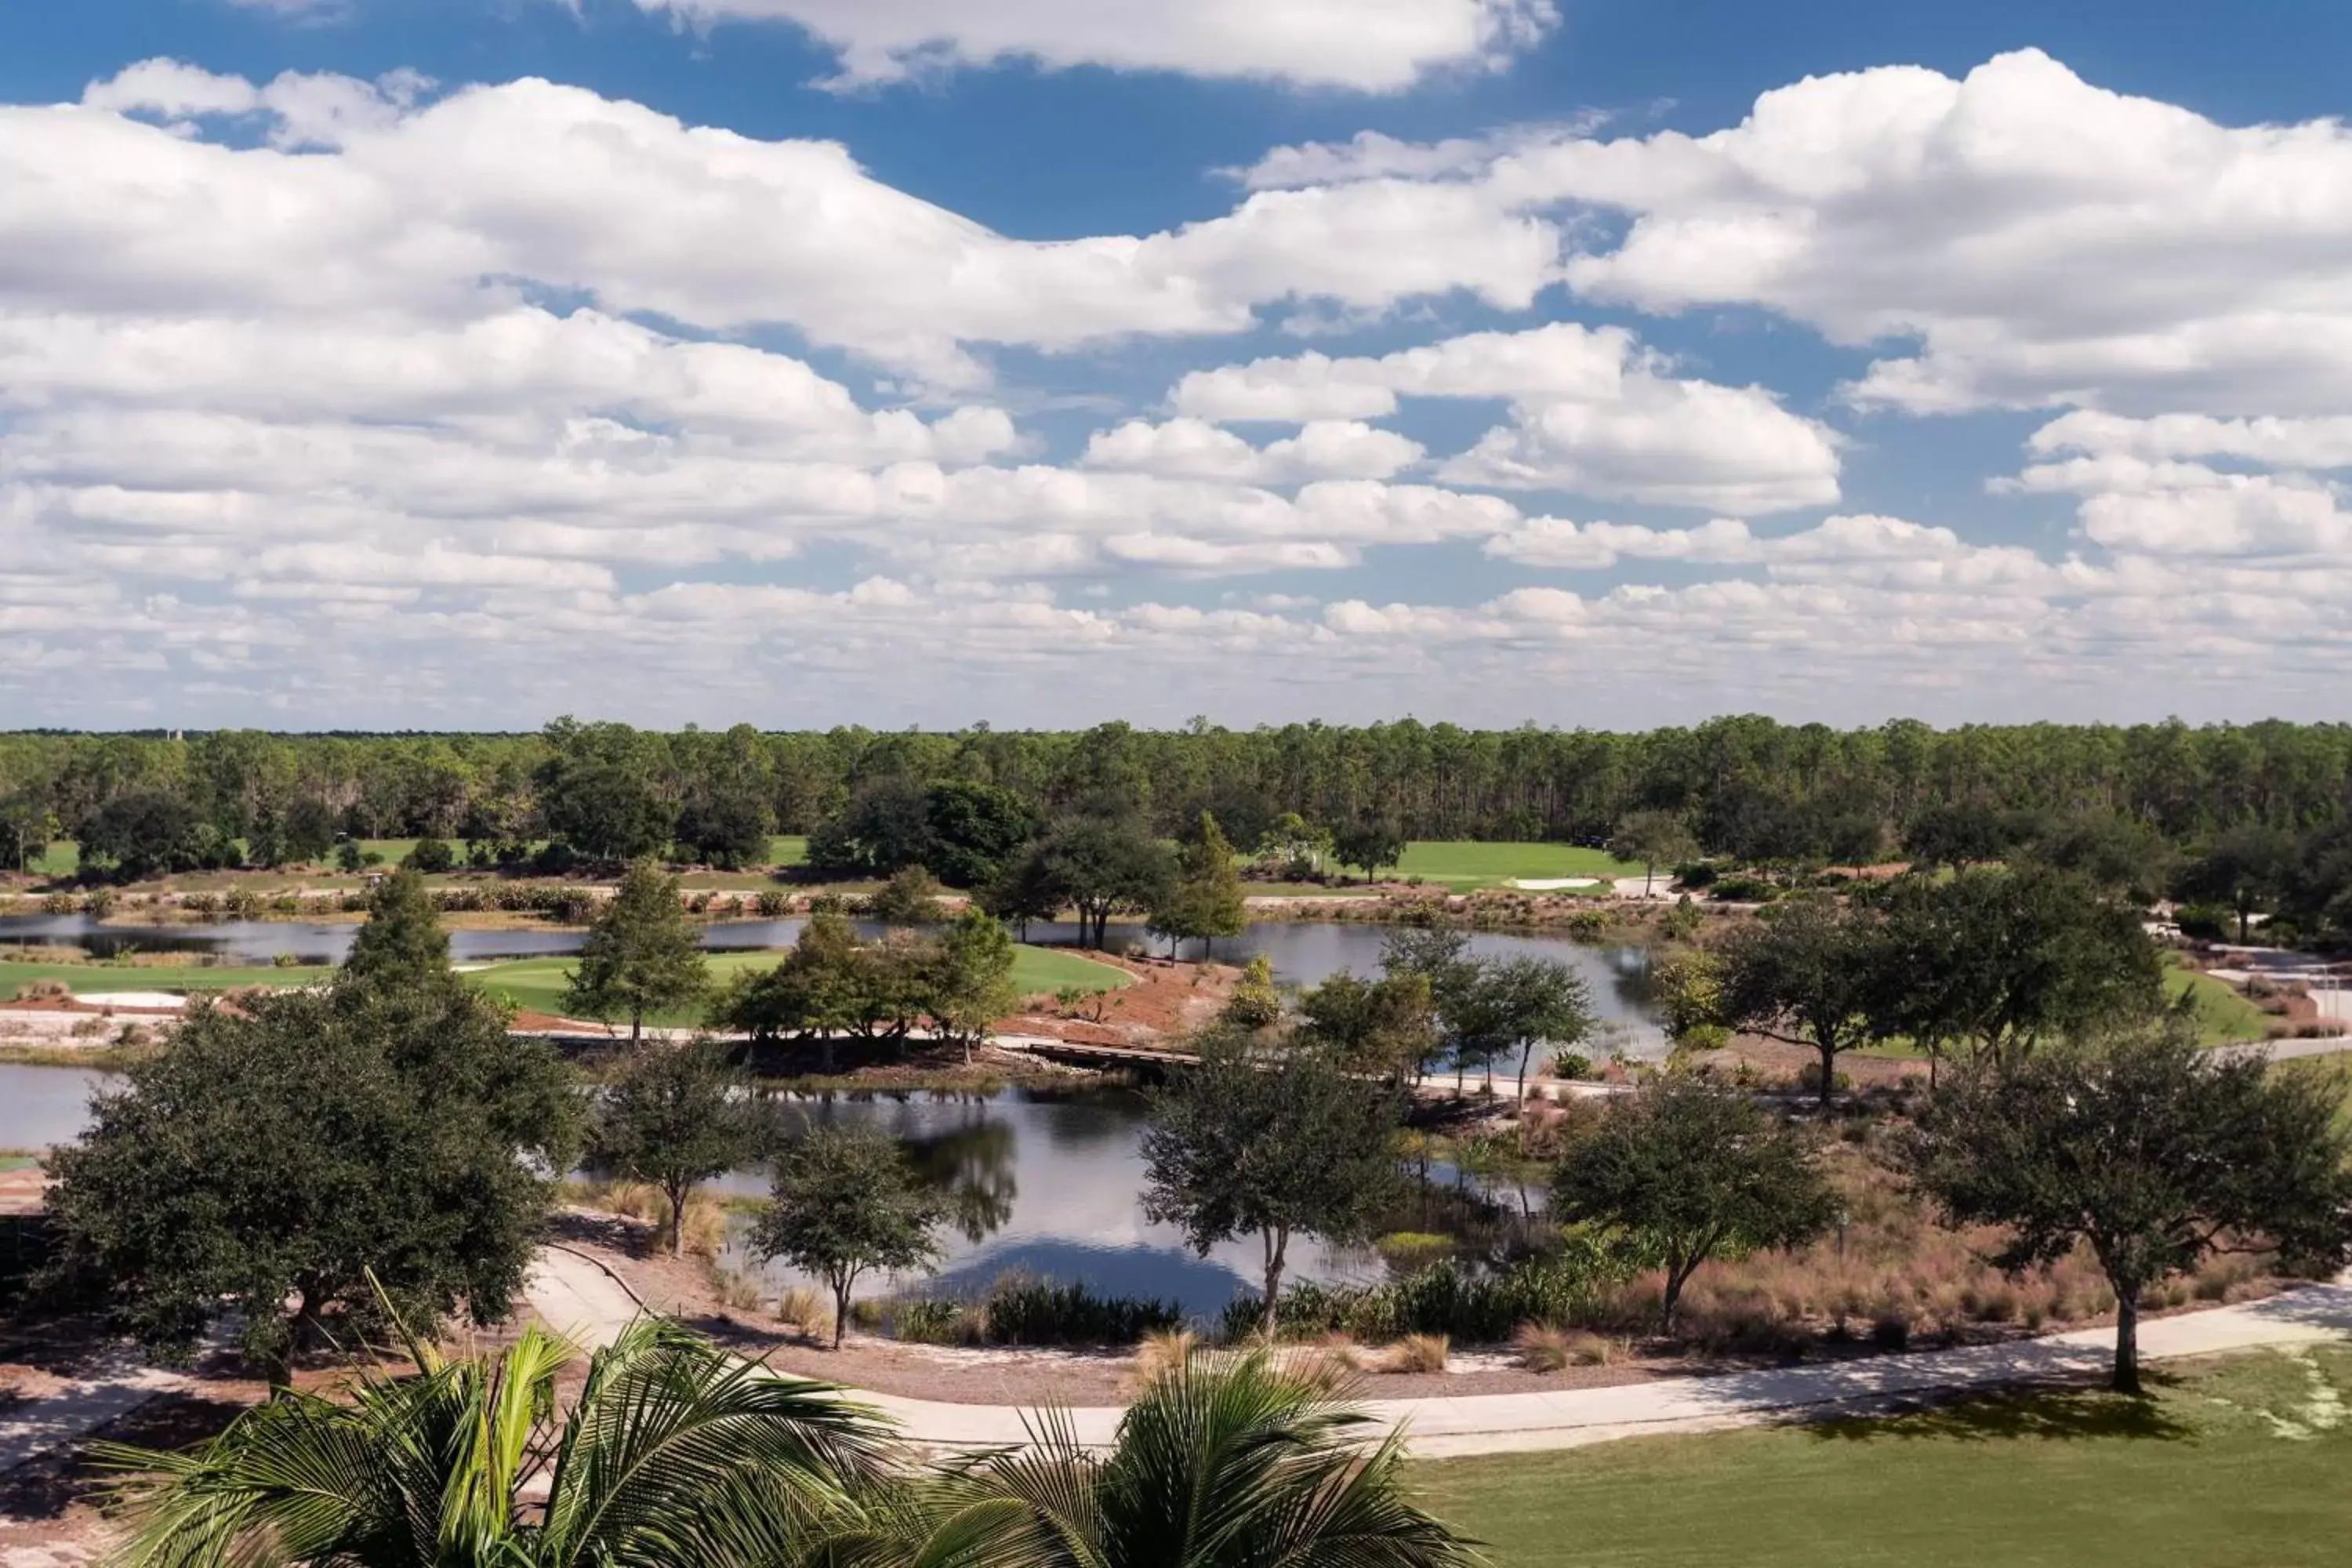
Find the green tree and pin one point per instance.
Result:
(847, 1200)
(974, 986)
(1219, 1463)
(973, 830)
(147, 833)
(1692, 1171)
(1654, 838)
(643, 953)
(911, 896)
(401, 943)
(676, 1116)
(1995, 962)
(1023, 890)
(26, 828)
(2245, 868)
(277, 1153)
(1103, 862)
(1388, 1026)
(1270, 1144)
(1521, 1002)
(308, 832)
(2151, 1152)
(1807, 972)
(1368, 845)
(673, 1452)
(1203, 900)
(602, 791)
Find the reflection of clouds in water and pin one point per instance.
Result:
(1070, 1171)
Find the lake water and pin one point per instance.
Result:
(1039, 1182)
(1048, 1183)
(1043, 1183)
(1302, 953)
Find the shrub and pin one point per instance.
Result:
(1254, 1004)
(1401, 1246)
(1416, 1352)
(1589, 925)
(928, 1322)
(286, 961)
(1019, 1310)
(772, 904)
(241, 904)
(1572, 1065)
(1482, 1307)
(45, 991)
(1745, 891)
(432, 856)
(1891, 1329)
(806, 1308)
(205, 904)
(2204, 923)
(1695, 874)
(1540, 1347)
(1161, 1352)
(555, 858)
(99, 904)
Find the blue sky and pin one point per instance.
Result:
(913, 362)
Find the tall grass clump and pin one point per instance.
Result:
(1020, 1309)
(1477, 1307)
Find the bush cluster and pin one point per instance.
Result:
(1479, 1307)
(1019, 1310)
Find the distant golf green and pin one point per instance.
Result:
(2228, 1463)
(93, 979)
(1465, 866)
(539, 984)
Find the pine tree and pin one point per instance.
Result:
(642, 955)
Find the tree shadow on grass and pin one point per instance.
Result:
(2048, 1414)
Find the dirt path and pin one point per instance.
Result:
(571, 1288)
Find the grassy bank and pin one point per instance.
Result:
(2224, 1016)
(2233, 1462)
(96, 979)
(538, 983)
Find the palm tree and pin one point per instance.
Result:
(1221, 1462)
(673, 1454)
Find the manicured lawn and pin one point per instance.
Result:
(92, 979)
(2224, 1017)
(788, 849)
(538, 983)
(1465, 866)
(2238, 1462)
(61, 860)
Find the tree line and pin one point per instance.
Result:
(1747, 785)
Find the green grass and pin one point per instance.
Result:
(2224, 1016)
(92, 979)
(62, 859)
(2231, 1464)
(540, 984)
(1463, 866)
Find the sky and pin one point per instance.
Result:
(456, 364)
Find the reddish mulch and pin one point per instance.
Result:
(1167, 999)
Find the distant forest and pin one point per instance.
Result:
(1746, 787)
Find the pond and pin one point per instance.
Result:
(1046, 1182)
(1302, 953)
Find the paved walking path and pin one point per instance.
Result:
(576, 1294)
(114, 1387)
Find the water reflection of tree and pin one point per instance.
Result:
(972, 1166)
